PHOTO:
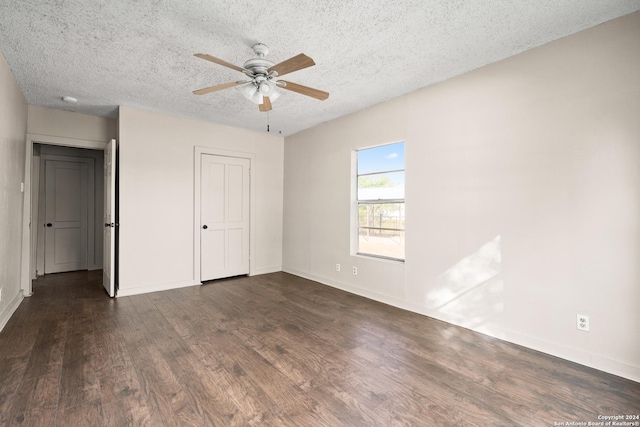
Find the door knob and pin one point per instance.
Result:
(49, 224)
(106, 224)
(205, 226)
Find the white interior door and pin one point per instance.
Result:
(66, 216)
(224, 216)
(109, 252)
(35, 231)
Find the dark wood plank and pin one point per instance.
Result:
(85, 415)
(129, 410)
(11, 375)
(79, 382)
(164, 395)
(36, 400)
(35, 416)
(48, 349)
(238, 367)
(274, 350)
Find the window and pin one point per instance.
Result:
(380, 200)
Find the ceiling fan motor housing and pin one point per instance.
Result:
(258, 66)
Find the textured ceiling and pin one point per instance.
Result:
(139, 53)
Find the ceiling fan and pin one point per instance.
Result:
(262, 88)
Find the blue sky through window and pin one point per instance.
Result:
(380, 159)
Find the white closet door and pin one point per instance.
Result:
(224, 232)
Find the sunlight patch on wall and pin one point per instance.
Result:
(470, 293)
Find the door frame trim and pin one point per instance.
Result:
(198, 152)
(31, 138)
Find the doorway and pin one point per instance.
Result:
(67, 206)
(31, 199)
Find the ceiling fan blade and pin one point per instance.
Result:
(304, 90)
(219, 61)
(266, 104)
(296, 63)
(215, 88)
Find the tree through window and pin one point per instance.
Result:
(380, 195)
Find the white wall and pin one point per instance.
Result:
(62, 128)
(523, 199)
(157, 197)
(66, 124)
(13, 126)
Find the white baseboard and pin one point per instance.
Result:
(176, 285)
(266, 270)
(575, 355)
(10, 309)
(155, 288)
(376, 296)
(581, 357)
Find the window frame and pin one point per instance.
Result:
(356, 227)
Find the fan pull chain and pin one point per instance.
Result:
(267, 121)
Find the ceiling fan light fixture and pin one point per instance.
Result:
(273, 92)
(255, 93)
(248, 90)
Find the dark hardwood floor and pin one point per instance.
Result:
(274, 350)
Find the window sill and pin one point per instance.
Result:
(378, 258)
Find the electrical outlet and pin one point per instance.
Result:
(583, 322)
(355, 271)
(337, 267)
